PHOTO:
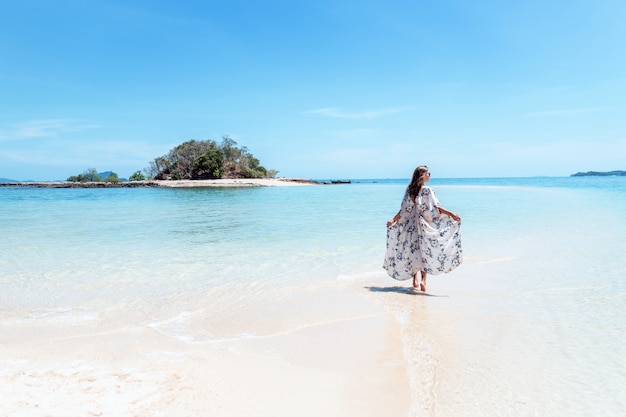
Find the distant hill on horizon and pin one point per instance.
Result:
(599, 174)
(106, 174)
(102, 175)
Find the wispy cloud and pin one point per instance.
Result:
(99, 153)
(43, 128)
(337, 112)
(566, 112)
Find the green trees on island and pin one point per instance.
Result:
(88, 176)
(137, 176)
(91, 175)
(193, 160)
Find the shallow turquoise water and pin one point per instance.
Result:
(63, 246)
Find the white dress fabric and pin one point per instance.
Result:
(423, 239)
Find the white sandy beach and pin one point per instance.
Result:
(236, 182)
(350, 362)
(367, 347)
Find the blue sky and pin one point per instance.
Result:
(315, 89)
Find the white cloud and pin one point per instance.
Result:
(336, 112)
(43, 128)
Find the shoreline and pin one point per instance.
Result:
(231, 182)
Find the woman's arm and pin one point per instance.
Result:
(392, 221)
(449, 213)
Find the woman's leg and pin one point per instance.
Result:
(423, 283)
(414, 280)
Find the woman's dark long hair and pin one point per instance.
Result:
(415, 186)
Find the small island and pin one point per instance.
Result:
(190, 164)
(600, 174)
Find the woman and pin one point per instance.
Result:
(423, 237)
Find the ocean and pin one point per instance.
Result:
(544, 268)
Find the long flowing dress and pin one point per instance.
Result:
(423, 239)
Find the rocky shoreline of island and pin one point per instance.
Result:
(238, 182)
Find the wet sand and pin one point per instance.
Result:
(346, 360)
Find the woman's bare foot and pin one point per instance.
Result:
(415, 281)
(423, 282)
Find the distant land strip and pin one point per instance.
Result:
(599, 174)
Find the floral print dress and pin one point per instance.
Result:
(422, 239)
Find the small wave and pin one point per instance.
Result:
(360, 275)
(180, 327)
(59, 315)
